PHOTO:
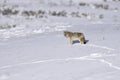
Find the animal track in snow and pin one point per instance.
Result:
(92, 57)
(102, 47)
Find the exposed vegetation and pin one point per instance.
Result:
(42, 13)
(8, 11)
(7, 26)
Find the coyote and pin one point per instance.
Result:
(72, 35)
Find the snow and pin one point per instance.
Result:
(33, 47)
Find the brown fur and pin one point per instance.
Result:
(72, 35)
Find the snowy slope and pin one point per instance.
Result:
(33, 47)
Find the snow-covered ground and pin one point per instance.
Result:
(33, 47)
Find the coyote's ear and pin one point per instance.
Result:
(65, 31)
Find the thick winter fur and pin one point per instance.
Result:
(72, 35)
